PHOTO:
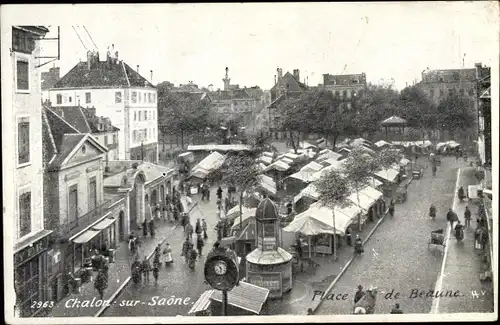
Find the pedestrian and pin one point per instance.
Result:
(198, 228)
(396, 309)
(101, 283)
(185, 249)
(204, 227)
(219, 193)
(298, 248)
(136, 269)
(189, 231)
(184, 220)
(175, 213)
(348, 236)
(156, 271)
(167, 252)
(199, 245)
(157, 254)
(157, 211)
(145, 228)
(451, 217)
(166, 215)
(359, 294)
(146, 267)
(207, 191)
(391, 208)
(467, 217)
(434, 169)
(152, 228)
(192, 256)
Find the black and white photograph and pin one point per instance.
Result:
(250, 162)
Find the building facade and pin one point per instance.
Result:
(22, 166)
(49, 79)
(484, 115)
(233, 102)
(119, 93)
(347, 88)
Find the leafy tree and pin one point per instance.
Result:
(294, 117)
(455, 114)
(333, 191)
(358, 168)
(374, 105)
(183, 114)
(240, 171)
(386, 158)
(418, 109)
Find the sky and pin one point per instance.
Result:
(195, 42)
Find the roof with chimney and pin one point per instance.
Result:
(83, 119)
(281, 98)
(49, 78)
(291, 84)
(60, 139)
(102, 75)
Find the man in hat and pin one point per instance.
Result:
(359, 294)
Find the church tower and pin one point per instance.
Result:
(227, 80)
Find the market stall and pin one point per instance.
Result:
(318, 221)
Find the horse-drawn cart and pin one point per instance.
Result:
(437, 239)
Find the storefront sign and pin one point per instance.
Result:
(31, 251)
(267, 243)
(271, 281)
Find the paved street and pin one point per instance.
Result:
(397, 256)
(177, 280)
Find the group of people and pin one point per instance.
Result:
(360, 293)
(188, 251)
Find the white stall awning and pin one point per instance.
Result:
(85, 237)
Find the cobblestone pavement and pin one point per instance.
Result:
(397, 256)
(177, 280)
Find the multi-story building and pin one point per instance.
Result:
(119, 93)
(85, 121)
(285, 86)
(49, 79)
(440, 84)
(347, 88)
(22, 168)
(484, 117)
(233, 102)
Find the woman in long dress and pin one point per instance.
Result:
(167, 252)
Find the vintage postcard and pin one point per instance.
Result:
(250, 162)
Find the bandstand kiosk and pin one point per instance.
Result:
(269, 266)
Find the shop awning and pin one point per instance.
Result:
(266, 160)
(367, 197)
(104, 224)
(388, 174)
(227, 240)
(267, 183)
(234, 212)
(245, 296)
(327, 153)
(278, 165)
(287, 160)
(312, 166)
(85, 237)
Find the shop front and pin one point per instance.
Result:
(276, 278)
(30, 265)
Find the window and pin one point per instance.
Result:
(441, 92)
(24, 214)
(70, 99)
(134, 98)
(134, 136)
(462, 92)
(22, 75)
(92, 194)
(105, 140)
(135, 116)
(471, 91)
(150, 97)
(140, 115)
(59, 99)
(154, 97)
(431, 93)
(22, 41)
(344, 94)
(114, 138)
(118, 97)
(73, 203)
(88, 98)
(23, 141)
(140, 97)
(145, 115)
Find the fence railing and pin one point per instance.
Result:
(85, 220)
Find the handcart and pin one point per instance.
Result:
(401, 194)
(437, 239)
(417, 171)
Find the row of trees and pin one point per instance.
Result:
(320, 112)
(336, 186)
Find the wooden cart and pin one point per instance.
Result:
(437, 239)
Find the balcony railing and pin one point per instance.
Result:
(85, 220)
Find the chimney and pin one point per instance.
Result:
(91, 110)
(137, 68)
(296, 74)
(116, 57)
(151, 71)
(89, 60)
(275, 79)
